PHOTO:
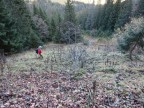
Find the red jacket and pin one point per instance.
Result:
(39, 51)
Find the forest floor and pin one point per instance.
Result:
(95, 75)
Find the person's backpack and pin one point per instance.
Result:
(36, 51)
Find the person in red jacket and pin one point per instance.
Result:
(39, 51)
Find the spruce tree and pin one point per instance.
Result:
(97, 17)
(82, 17)
(41, 21)
(40, 13)
(22, 20)
(57, 36)
(69, 12)
(89, 22)
(35, 10)
(107, 12)
(59, 20)
(7, 33)
(140, 9)
(125, 14)
(21, 17)
(114, 15)
(43, 14)
(132, 37)
(100, 18)
(52, 29)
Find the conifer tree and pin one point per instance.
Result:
(89, 22)
(21, 17)
(6, 31)
(57, 36)
(35, 10)
(141, 8)
(97, 15)
(59, 19)
(69, 12)
(52, 29)
(114, 15)
(107, 12)
(132, 37)
(125, 13)
(100, 18)
(40, 13)
(82, 19)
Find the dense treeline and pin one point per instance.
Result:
(22, 28)
(106, 18)
(103, 20)
(25, 25)
(16, 29)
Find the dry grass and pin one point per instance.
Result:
(110, 68)
(106, 59)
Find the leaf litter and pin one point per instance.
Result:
(58, 90)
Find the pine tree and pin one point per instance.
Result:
(21, 17)
(69, 12)
(114, 15)
(140, 9)
(125, 14)
(89, 22)
(40, 13)
(22, 20)
(107, 12)
(35, 10)
(59, 19)
(2, 22)
(132, 37)
(41, 22)
(52, 29)
(43, 14)
(97, 15)
(82, 17)
(57, 36)
(34, 39)
(6, 31)
(100, 18)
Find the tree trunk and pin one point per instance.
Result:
(131, 50)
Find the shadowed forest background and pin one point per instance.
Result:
(27, 24)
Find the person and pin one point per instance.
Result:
(39, 51)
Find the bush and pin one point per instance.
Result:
(100, 33)
(86, 42)
(131, 36)
(70, 33)
(42, 28)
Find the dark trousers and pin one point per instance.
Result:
(41, 56)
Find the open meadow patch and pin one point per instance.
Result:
(72, 76)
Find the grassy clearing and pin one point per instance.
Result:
(98, 60)
(70, 71)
